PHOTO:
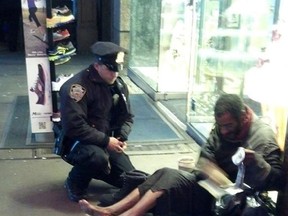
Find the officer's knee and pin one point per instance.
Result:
(99, 161)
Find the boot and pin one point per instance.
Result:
(130, 181)
(74, 192)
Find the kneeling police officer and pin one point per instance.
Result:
(96, 120)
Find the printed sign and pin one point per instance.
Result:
(39, 91)
(37, 65)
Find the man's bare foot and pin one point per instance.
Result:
(93, 210)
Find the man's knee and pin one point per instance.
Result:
(166, 169)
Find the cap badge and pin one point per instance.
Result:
(120, 58)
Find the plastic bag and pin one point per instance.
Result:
(246, 203)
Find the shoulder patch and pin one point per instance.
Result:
(77, 92)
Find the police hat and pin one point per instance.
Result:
(109, 54)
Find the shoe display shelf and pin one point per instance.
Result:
(61, 28)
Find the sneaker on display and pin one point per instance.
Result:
(61, 10)
(58, 50)
(62, 60)
(60, 35)
(59, 19)
(63, 49)
(56, 117)
(57, 58)
(61, 79)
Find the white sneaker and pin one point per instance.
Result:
(56, 85)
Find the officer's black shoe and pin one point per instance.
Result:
(130, 181)
(73, 191)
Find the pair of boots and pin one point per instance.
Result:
(131, 180)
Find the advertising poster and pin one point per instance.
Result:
(39, 91)
(37, 65)
(34, 27)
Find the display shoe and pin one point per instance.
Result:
(74, 192)
(60, 35)
(130, 181)
(39, 86)
(60, 81)
(62, 48)
(61, 10)
(62, 60)
(58, 19)
(56, 117)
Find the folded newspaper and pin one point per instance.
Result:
(217, 183)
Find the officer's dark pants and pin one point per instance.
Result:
(91, 161)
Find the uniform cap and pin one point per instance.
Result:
(102, 48)
(109, 54)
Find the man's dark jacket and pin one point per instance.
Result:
(100, 111)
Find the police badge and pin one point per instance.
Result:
(77, 92)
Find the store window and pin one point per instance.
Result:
(160, 43)
(231, 37)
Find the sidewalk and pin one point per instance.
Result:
(35, 186)
(32, 179)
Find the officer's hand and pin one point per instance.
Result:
(116, 145)
(124, 144)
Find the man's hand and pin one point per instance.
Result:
(116, 145)
(249, 157)
(246, 156)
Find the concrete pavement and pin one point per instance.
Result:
(32, 179)
(35, 186)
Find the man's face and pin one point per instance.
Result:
(107, 75)
(229, 127)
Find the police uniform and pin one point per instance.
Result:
(91, 112)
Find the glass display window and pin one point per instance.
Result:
(231, 36)
(160, 42)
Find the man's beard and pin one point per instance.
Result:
(232, 135)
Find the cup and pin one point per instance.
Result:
(186, 164)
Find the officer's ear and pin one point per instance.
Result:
(97, 65)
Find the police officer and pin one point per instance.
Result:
(96, 120)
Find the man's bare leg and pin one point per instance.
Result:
(147, 202)
(126, 203)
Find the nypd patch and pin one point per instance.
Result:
(77, 92)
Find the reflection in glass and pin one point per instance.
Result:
(231, 36)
